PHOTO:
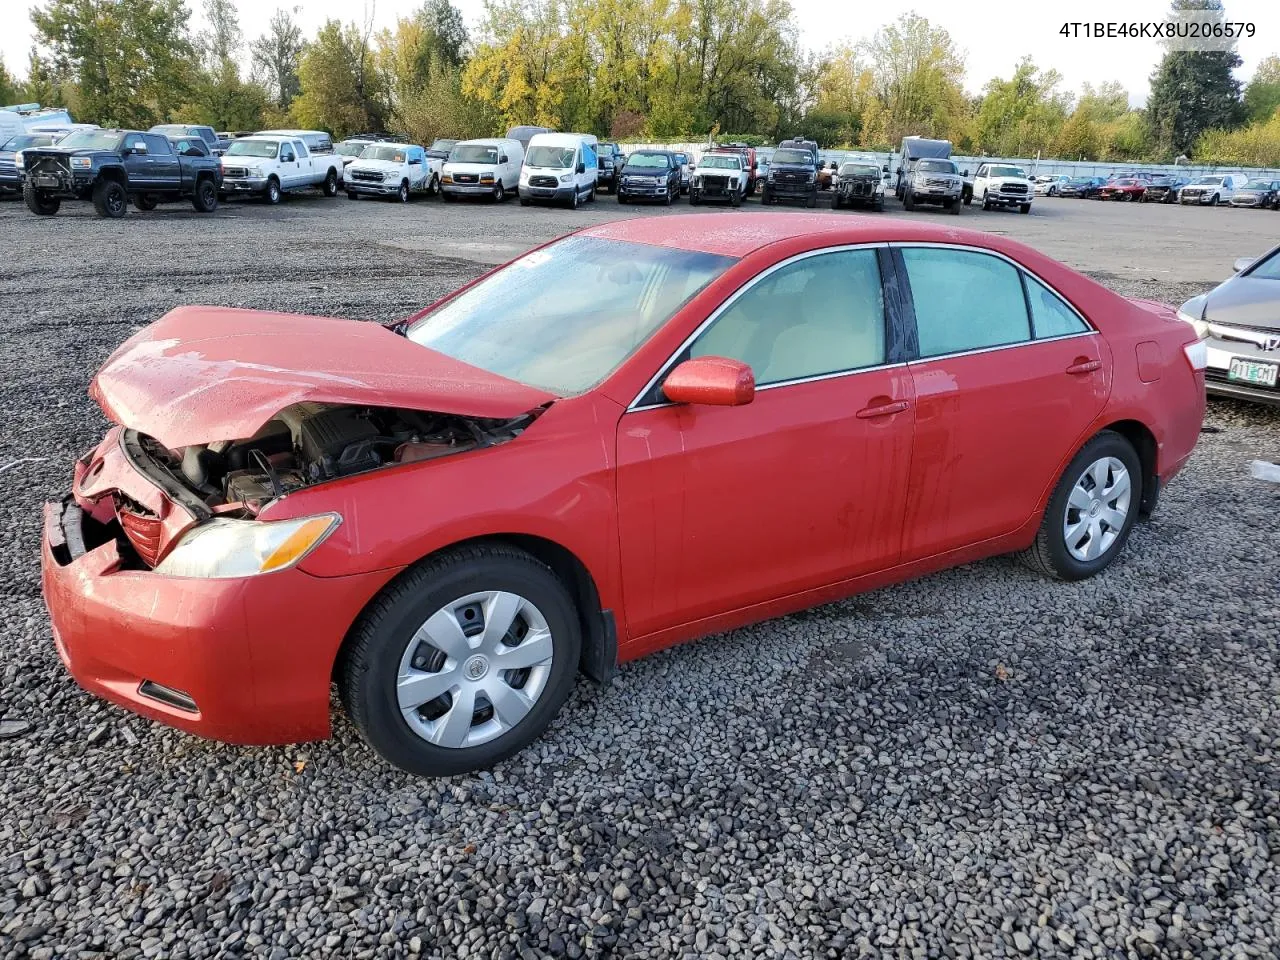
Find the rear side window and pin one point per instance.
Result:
(965, 300)
(157, 145)
(1050, 315)
(207, 134)
(301, 147)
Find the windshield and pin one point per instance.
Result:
(557, 158)
(787, 155)
(1258, 185)
(377, 151)
(859, 170)
(474, 153)
(1210, 181)
(349, 149)
(253, 148)
(1008, 172)
(443, 146)
(92, 140)
(565, 316)
(1125, 183)
(721, 163)
(655, 161)
(174, 130)
(24, 140)
(942, 166)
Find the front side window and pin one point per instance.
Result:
(965, 300)
(818, 315)
(1050, 315)
(1267, 268)
(562, 318)
(301, 147)
(157, 145)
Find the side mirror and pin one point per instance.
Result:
(582, 168)
(1243, 264)
(885, 168)
(138, 148)
(504, 159)
(713, 381)
(965, 174)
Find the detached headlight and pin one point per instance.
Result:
(566, 178)
(83, 163)
(1199, 326)
(223, 548)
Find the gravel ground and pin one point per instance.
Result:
(980, 763)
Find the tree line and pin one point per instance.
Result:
(665, 70)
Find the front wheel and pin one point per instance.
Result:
(908, 200)
(462, 661)
(331, 183)
(38, 203)
(110, 199)
(1213, 201)
(352, 195)
(1091, 512)
(434, 188)
(205, 199)
(272, 193)
(1024, 208)
(499, 192)
(403, 193)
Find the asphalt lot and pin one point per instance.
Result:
(980, 763)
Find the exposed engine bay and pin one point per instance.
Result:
(312, 443)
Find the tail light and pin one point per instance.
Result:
(1197, 354)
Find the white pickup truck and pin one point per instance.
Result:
(270, 166)
(1003, 185)
(398, 170)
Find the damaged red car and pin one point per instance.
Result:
(644, 432)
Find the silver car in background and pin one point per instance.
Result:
(1239, 323)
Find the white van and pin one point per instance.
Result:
(560, 168)
(482, 168)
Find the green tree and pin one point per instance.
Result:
(123, 62)
(8, 86)
(917, 75)
(1021, 116)
(1262, 95)
(341, 89)
(275, 56)
(1193, 91)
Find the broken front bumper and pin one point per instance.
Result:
(240, 660)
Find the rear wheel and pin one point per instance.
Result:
(1091, 512)
(110, 199)
(38, 203)
(205, 199)
(144, 202)
(462, 661)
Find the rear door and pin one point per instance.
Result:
(1008, 378)
(310, 169)
(724, 507)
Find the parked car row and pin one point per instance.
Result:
(1232, 189)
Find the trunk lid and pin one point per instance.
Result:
(201, 374)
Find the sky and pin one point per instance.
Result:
(1019, 29)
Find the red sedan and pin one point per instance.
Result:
(1125, 189)
(645, 432)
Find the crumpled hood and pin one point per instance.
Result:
(201, 374)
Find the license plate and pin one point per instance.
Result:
(47, 181)
(1256, 372)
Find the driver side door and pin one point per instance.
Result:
(725, 508)
(138, 164)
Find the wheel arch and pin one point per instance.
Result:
(599, 632)
(1144, 444)
(115, 173)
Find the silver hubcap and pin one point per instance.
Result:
(1097, 509)
(474, 669)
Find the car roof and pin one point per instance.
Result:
(739, 234)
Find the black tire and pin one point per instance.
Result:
(433, 189)
(622, 197)
(331, 183)
(955, 207)
(837, 202)
(694, 199)
(986, 204)
(1048, 554)
(272, 193)
(908, 200)
(374, 647)
(573, 198)
(41, 205)
(1213, 201)
(499, 192)
(205, 199)
(735, 199)
(669, 199)
(110, 199)
(352, 195)
(222, 197)
(524, 201)
(766, 195)
(812, 200)
(403, 193)
(1024, 208)
(879, 207)
(144, 202)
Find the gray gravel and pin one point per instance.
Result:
(980, 763)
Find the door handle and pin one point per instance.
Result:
(1084, 366)
(883, 409)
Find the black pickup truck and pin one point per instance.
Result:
(110, 167)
